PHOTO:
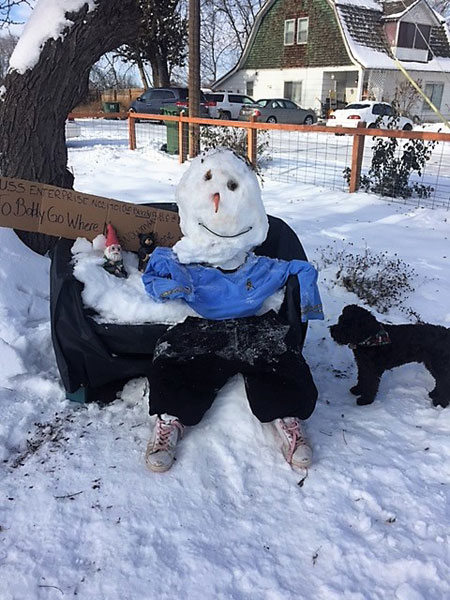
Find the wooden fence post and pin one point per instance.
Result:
(131, 131)
(251, 143)
(357, 158)
(182, 138)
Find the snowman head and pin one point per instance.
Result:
(222, 216)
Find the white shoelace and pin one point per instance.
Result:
(294, 435)
(164, 433)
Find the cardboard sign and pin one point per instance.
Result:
(70, 214)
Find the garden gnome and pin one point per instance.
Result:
(113, 254)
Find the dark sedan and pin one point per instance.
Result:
(278, 110)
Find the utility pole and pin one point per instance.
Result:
(194, 75)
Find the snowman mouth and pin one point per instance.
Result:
(226, 236)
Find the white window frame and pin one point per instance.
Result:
(296, 91)
(426, 106)
(286, 25)
(302, 19)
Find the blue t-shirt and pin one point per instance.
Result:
(217, 294)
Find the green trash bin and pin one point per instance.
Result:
(172, 146)
(111, 107)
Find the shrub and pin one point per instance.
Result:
(235, 139)
(390, 170)
(380, 280)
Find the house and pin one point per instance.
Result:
(326, 53)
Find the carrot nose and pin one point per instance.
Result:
(216, 200)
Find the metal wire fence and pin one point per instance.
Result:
(308, 157)
(154, 134)
(391, 166)
(427, 185)
(94, 130)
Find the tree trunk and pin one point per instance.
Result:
(142, 73)
(160, 71)
(36, 105)
(155, 72)
(194, 75)
(164, 79)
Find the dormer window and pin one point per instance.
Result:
(289, 32)
(302, 30)
(411, 35)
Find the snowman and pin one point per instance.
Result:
(214, 270)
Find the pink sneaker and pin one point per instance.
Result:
(295, 447)
(161, 447)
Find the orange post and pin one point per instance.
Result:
(251, 143)
(182, 138)
(131, 131)
(357, 157)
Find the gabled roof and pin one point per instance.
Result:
(361, 23)
(363, 26)
(259, 17)
(397, 7)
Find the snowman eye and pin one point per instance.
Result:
(232, 185)
(208, 175)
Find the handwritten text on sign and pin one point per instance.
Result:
(57, 211)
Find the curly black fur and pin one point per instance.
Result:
(422, 343)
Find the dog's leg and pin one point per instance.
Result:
(441, 392)
(444, 402)
(355, 390)
(369, 376)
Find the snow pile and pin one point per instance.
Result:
(25, 293)
(120, 300)
(47, 21)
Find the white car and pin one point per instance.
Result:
(226, 105)
(374, 114)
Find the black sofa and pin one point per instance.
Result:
(96, 360)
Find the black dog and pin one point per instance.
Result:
(378, 347)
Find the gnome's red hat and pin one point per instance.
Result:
(111, 236)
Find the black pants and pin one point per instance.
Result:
(194, 359)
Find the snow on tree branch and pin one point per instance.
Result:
(49, 20)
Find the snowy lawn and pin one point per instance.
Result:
(81, 516)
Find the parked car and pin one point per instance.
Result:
(154, 100)
(278, 110)
(375, 115)
(73, 130)
(226, 105)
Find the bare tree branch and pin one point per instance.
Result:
(6, 9)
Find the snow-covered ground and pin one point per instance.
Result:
(81, 516)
